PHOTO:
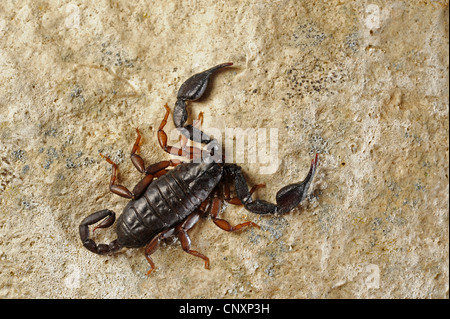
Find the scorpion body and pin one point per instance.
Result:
(170, 200)
(166, 202)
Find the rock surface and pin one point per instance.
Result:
(365, 85)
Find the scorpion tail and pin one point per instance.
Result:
(287, 197)
(101, 249)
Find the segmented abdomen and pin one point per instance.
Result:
(166, 202)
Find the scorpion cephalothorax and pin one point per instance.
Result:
(166, 202)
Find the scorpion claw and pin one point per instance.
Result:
(287, 198)
(194, 87)
(291, 195)
(191, 90)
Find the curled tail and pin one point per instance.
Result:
(101, 249)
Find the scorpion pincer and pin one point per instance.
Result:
(169, 202)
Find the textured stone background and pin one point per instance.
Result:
(364, 83)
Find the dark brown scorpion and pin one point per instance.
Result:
(166, 203)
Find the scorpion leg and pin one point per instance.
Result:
(153, 245)
(184, 139)
(222, 223)
(139, 162)
(117, 189)
(162, 139)
(193, 89)
(154, 170)
(287, 197)
(101, 249)
(235, 200)
(185, 240)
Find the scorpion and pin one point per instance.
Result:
(170, 202)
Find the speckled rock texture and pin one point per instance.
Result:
(365, 84)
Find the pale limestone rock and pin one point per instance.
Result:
(365, 85)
